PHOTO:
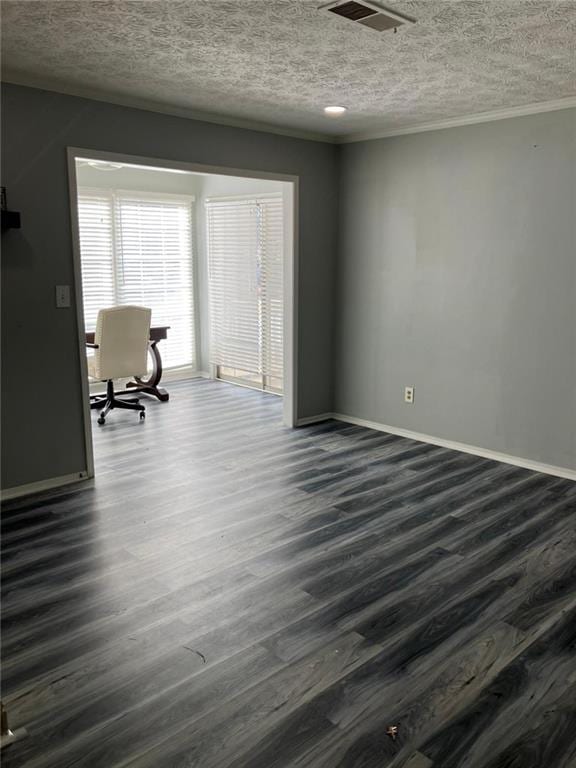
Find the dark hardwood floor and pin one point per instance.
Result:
(235, 594)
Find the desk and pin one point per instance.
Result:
(149, 385)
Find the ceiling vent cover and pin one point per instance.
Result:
(367, 14)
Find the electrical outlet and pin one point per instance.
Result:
(409, 395)
(62, 296)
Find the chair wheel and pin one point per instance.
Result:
(142, 415)
(101, 420)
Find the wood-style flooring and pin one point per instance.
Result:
(235, 594)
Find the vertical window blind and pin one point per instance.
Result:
(136, 248)
(245, 259)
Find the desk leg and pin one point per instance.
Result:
(150, 385)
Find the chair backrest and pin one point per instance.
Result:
(122, 335)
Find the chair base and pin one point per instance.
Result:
(109, 401)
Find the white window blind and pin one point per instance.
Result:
(245, 255)
(136, 248)
(97, 254)
(271, 214)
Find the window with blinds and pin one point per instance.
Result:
(136, 248)
(245, 260)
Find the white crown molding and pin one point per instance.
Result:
(455, 122)
(44, 84)
(47, 84)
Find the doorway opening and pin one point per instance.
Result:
(210, 251)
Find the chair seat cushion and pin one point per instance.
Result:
(122, 335)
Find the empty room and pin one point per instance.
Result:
(288, 384)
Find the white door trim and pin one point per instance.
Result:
(78, 301)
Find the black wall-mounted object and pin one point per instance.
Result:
(10, 220)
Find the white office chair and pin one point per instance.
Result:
(120, 350)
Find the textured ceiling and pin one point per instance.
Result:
(280, 61)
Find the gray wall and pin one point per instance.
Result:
(457, 275)
(42, 433)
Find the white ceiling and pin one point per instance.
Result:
(278, 62)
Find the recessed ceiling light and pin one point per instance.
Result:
(335, 111)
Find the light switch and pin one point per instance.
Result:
(62, 296)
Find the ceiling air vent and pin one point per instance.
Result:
(368, 14)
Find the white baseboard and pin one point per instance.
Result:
(50, 484)
(314, 419)
(183, 375)
(485, 453)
